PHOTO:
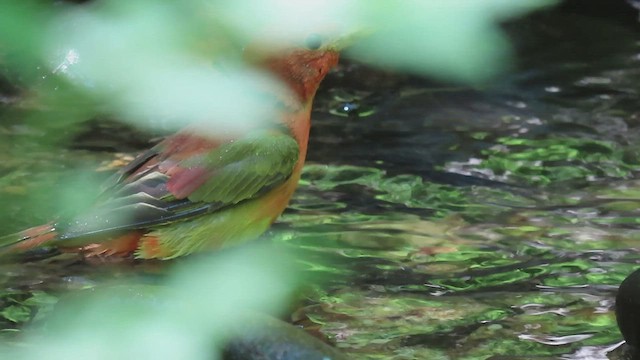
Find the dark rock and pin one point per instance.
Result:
(265, 338)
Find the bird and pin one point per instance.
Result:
(196, 191)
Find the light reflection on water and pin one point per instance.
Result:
(498, 200)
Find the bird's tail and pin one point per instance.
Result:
(28, 239)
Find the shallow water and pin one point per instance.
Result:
(481, 223)
(447, 222)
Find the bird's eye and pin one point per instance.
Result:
(313, 42)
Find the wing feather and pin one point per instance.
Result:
(164, 185)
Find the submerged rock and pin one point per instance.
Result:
(265, 338)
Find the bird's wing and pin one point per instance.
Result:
(187, 177)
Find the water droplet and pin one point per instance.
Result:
(349, 104)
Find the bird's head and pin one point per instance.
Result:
(302, 67)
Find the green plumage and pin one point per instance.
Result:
(233, 224)
(236, 174)
(245, 168)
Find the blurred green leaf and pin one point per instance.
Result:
(185, 318)
(452, 39)
(22, 28)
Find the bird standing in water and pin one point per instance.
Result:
(195, 191)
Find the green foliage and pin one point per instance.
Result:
(188, 316)
(455, 39)
(149, 62)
